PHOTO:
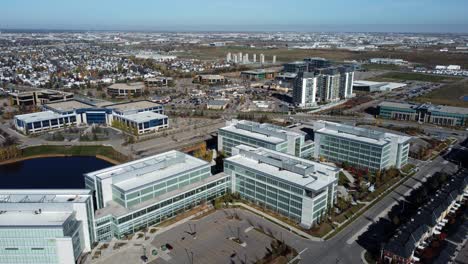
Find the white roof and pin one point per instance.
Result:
(319, 176)
(38, 116)
(30, 218)
(144, 117)
(138, 173)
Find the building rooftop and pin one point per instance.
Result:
(68, 105)
(134, 85)
(218, 102)
(307, 174)
(144, 117)
(428, 107)
(260, 71)
(264, 132)
(32, 218)
(129, 106)
(396, 105)
(149, 170)
(357, 133)
(38, 116)
(44, 196)
(117, 210)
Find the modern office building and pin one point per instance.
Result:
(316, 62)
(242, 132)
(258, 74)
(210, 79)
(371, 87)
(305, 91)
(126, 89)
(300, 189)
(295, 67)
(45, 226)
(143, 116)
(360, 147)
(147, 191)
(425, 113)
(27, 96)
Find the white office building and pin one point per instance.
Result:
(300, 189)
(360, 147)
(243, 132)
(145, 192)
(45, 226)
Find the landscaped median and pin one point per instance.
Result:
(99, 151)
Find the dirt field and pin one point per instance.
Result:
(450, 94)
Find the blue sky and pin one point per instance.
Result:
(300, 15)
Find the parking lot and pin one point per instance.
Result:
(211, 240)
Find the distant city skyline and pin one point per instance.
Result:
(425, 16)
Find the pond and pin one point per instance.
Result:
(49, 173)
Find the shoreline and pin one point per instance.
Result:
(101, 157)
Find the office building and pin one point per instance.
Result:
(142, 116)
(243, 132)
(316, 62)
(45, 226)
(27, 96)
(145, 192)
(210, 79)
(425, 113)
(369, 86)
(295, 67)
(299, 189)
(360, 147)
(262, 59)
(126, 89)
(159, 82)
(305, 90)
(259, 74)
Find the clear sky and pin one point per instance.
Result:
(232, 15)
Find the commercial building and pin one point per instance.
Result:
(316, 62)
(425, 113)
(368, 86)
(126, 89)
(428, 224)
(217, 104)
(159, 82)
(143, 116)
(242, 132)
(147, 191)
(360, 147)
(300, 189)
(37, 97)
(295, 67)
(388, 61)
(209, 79)
(45, 226)
(258, 74)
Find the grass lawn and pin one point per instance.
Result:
(105, 151)
(450, 94)
(412, 76)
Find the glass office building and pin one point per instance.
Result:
(360, 147)
(45, 226)
(145, 192)
(242, 132)
(300, 189)
(143, 116)
(425, 113)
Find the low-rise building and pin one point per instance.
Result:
(126, 89)
(361, 147)
(368, 86)
(242, 132)
(209, 79)
(37, 97)
(425, 113)
(145, 192)
(45, 226)
(299, 189)
(159, 81)
(258, 74)
(143, 116)
(217, 104)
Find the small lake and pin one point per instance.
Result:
(49, 173)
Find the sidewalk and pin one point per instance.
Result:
(279, 222)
